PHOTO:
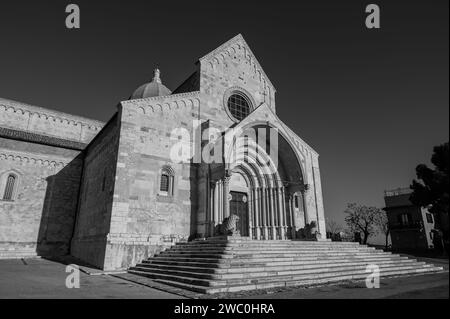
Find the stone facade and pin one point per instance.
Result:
(121, 195)
(43, 149)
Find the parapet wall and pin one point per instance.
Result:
(21, 116)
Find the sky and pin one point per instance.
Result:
(371, 102)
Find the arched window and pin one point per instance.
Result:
(11, 182)
(164, 186)
(166, 181)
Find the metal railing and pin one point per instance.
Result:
(397, 191)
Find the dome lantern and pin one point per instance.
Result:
(151, 89)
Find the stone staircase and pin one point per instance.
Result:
(18, 254)
(229, 265)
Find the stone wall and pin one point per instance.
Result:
(144, 220)
(41, 215)
(96, 196)
(229, 67)
(34, 119)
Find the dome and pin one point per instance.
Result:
(153, 88)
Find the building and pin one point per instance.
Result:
(112, 194)
(411, 227)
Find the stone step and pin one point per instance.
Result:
(278, 254)
(219, 265)
(214, 263)
(267, 267)
(265, 245)
(244, 251)
(17, 254)
(278, 280)
(251, 248)
(268, 259)
(256, 273)
(268, 242)
(305, 282)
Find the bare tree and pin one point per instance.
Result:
(332, 226)
(362, 219)
(382, 223)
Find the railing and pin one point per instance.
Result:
(397, 191)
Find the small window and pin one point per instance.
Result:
(429, 218)
(9, 187)
(166, 181)
(164, 187)
(404, 218)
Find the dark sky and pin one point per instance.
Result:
(373, 103)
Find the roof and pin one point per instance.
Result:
(7, 103)
(151, 89)
(41, 139)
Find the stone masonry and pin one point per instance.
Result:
(112, 194)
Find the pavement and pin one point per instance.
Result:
(42, 278)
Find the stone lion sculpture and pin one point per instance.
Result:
(229, 225)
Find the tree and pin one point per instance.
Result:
(432, 189)
(362, 219)
(382, 223)
(332, 226)
(333, 230)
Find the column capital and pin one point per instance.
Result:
(226, 179)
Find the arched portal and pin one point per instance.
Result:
(263, 169)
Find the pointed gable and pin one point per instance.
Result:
(228, 70)
(232, 46)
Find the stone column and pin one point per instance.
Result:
(303, 204)
(281, 220)
(250, 215)
(216, 204)
(264, 212)
(292, 215)
(272, 211)
(302, 220)
(285, 212)
(220, 201)
(256, 208)
(226, 202)
(211, 208)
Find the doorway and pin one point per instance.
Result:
(239, 207)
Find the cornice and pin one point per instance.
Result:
(50, 115)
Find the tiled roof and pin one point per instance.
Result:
(41, 139)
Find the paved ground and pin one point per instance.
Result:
(422, 287)
(40, 278)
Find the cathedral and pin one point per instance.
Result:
(168, 167)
